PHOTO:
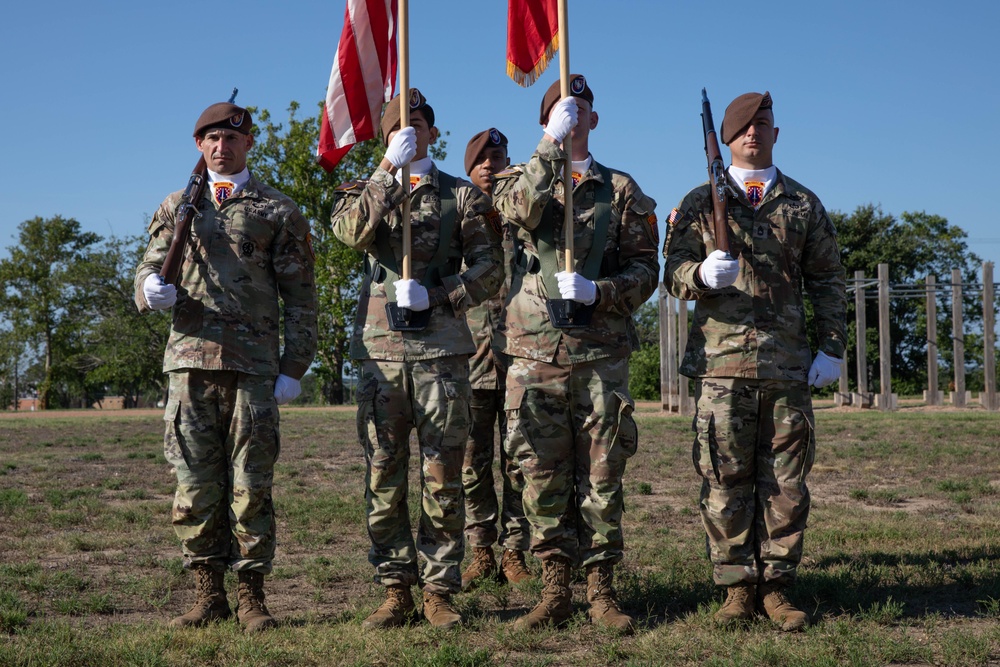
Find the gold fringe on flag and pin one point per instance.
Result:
(525, 79)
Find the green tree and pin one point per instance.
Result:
(644, 363)
(915, 245)
(123, 349)
(39, 283)
(285, 158)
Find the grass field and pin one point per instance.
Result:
(902, 555)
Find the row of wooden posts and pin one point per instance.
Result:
(674, 328)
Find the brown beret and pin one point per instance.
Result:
(577, 88)
(226, 115)
(485, 139)
(740, 112)
(391, 114)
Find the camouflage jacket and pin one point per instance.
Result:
(363, 208)
(629, 272)
(756, 328)
(483, 321)
(242, 257)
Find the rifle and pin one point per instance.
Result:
(716, 177)
(187, 213)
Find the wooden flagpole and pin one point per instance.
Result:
(567, 142)
(404, 121)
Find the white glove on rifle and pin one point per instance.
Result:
(402, 147)
(562, 118)
(717, 271)
(158, 295)
(824, 370)
(411, 294)
(576, 287)
(286, 389)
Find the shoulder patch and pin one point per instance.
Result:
(495, 221)
(672, 218)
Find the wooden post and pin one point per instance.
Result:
(933, 393)
(665, 392)
(884, 346)
(682, 337)
(403, 31)
(861, 331)
(563, 14)
(672, 351)
(957, 339)
(989, 340)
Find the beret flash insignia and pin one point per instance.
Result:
(494, 136)
(577, 85)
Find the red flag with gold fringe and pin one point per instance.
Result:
(532, 38)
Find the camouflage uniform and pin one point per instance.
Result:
(417, 379)
(223, 356)
(569, 413)
(747, 348)
(488, 377)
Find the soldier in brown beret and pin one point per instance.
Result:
(246, 283)
(416, 379)
(486, 156)
(569, 412)
(748, 353)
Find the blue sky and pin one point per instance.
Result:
(879, 101)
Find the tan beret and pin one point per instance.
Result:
(391, 113)
(485, 139)
(577, 88)
(225, 115)
(740, 112)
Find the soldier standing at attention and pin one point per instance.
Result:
(249, 247)
(569, 412)
(416, 379)
(748, 352)
(485, 156)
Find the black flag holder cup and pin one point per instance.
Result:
(569, 314)
(404, 319)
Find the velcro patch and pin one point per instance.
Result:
(496, 222)
(672, 218)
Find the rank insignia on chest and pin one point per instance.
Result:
(222, 190)
(247, 248)
(760, 230)
(755, 192)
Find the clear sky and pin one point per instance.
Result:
(879, 101)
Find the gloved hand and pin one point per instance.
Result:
(286, 389)
(158, 295)
(717, 271)
(576, 287)
(411, 294)
(562, 118)
(824, 370)
(402, 147)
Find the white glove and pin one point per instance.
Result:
(411, 294)
(402, 147)
(824, 370)
(286, 389)
(158, 295)
(717, 271)
(576, 287)
(562, 118)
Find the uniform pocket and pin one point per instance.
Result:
(626, 434)
(265, 441)
(173, 449)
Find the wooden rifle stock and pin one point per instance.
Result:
(716, 177)
(187, 212)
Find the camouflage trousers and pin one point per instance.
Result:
(222, 440)
(570, 431)
(481, 505)
(394, 398)
(754, 446)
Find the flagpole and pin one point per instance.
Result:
(404, 121)
(567, 142)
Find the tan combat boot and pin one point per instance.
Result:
(398, 609)
(439, 612)
(739, 604)
(252, 613)
(779, 609)
(604, 609)
(556, 605)
(211, 603)
(482, 567)
(513, 567)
